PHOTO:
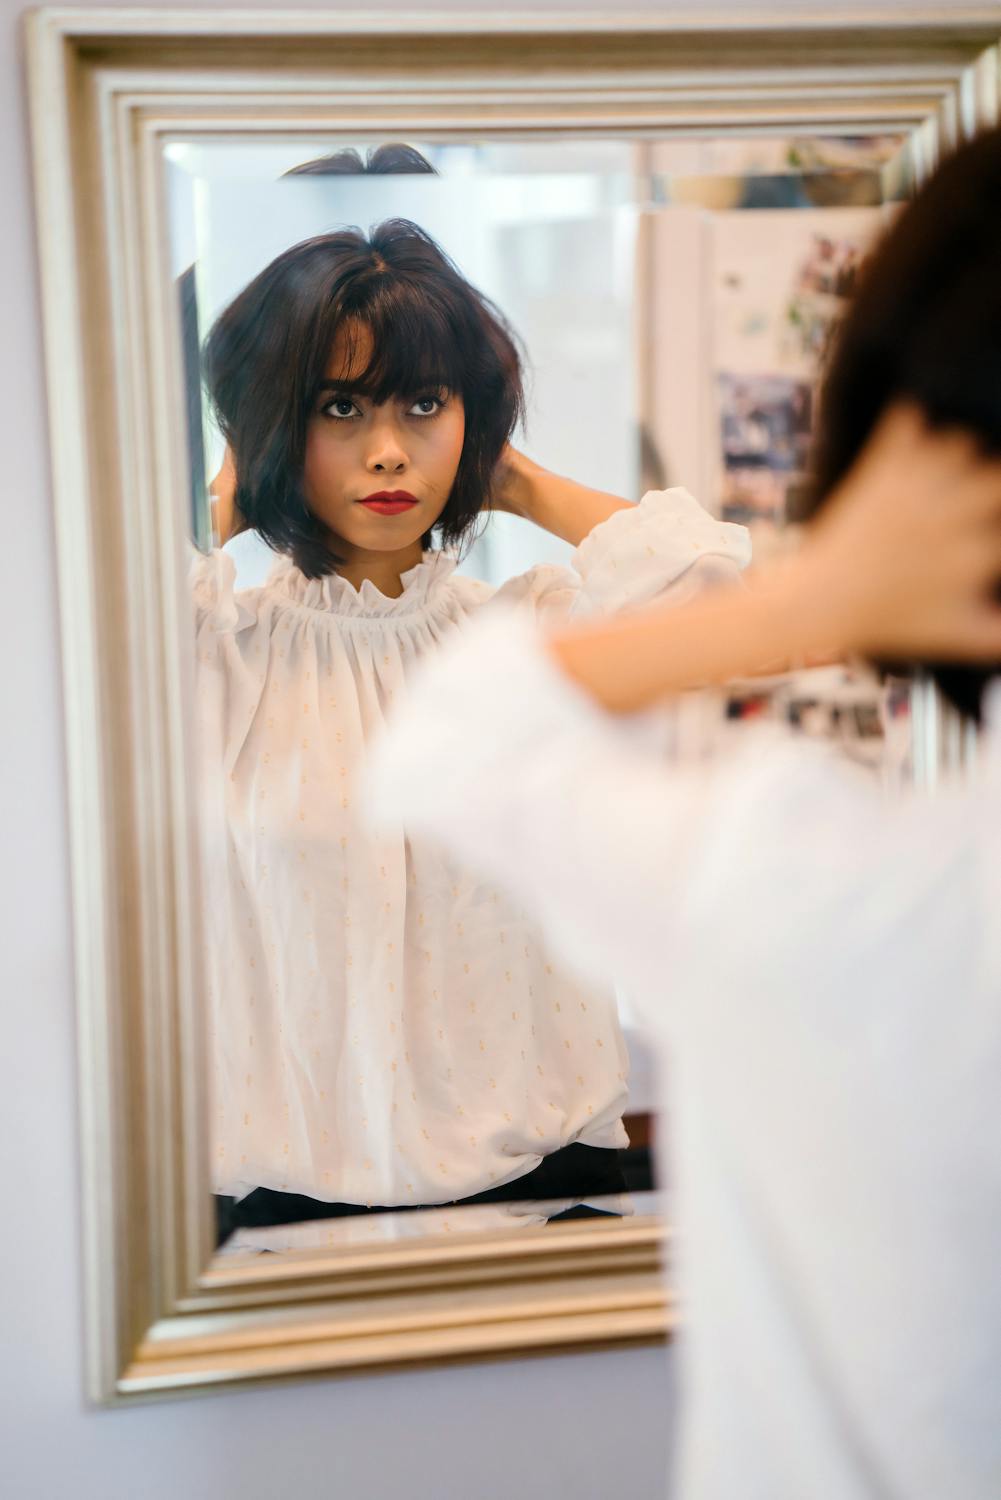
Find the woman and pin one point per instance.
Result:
(387, 1029)
(833, 1004)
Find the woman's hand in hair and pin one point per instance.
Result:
(560, 506)
(227, 519)
(511, 482)
(910, 545)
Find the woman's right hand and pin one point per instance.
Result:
(907, 552)
(227, 520)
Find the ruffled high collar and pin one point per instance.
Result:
(334, 595)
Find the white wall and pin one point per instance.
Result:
(588, 1426)
(583, 1426)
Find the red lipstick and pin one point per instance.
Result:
(389, 502)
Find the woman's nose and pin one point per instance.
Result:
(386, 454)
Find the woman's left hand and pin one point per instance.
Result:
(512, 482)
(560, 506)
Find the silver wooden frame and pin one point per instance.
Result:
(108, 89)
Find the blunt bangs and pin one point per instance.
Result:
(412, 348)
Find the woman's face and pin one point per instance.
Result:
(379, 476)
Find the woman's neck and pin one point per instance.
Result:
(383, 569)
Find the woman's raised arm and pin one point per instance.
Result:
(889, 570)
(560, 506)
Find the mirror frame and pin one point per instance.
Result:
(108, 89)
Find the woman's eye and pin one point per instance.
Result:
(341, 406)
(426, 406)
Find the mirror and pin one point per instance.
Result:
(667, 211)
(394, 1052)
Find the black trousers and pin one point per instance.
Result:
(574, 1171)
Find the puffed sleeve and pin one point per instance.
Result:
(668, 544)
(212, 581)
(231, 662)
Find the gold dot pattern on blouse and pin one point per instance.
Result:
(316, 804)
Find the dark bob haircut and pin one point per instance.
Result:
(379, 162)
(268, 353)
(925, 323)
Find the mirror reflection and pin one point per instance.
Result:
(421, 377)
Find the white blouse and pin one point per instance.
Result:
(387, 1028)
(823, 964)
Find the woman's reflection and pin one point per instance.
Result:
(386, 1029)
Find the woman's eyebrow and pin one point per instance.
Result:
(343, 387)
(351, 388)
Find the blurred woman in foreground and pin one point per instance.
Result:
(824, 964)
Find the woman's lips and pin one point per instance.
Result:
(389, 502)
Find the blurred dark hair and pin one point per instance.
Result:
(268, 353)
(391, 158)
(925, 323)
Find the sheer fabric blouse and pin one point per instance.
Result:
(387, 1027)
(833, 1023)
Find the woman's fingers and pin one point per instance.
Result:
(978, 639)
(905, 444)
(979, 489)
(915, 533)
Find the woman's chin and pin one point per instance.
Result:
(379, 538)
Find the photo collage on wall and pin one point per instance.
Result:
(766, 418)
(782, 284)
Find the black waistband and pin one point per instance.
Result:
(574, 1171)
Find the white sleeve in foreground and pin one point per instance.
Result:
(535, 787)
